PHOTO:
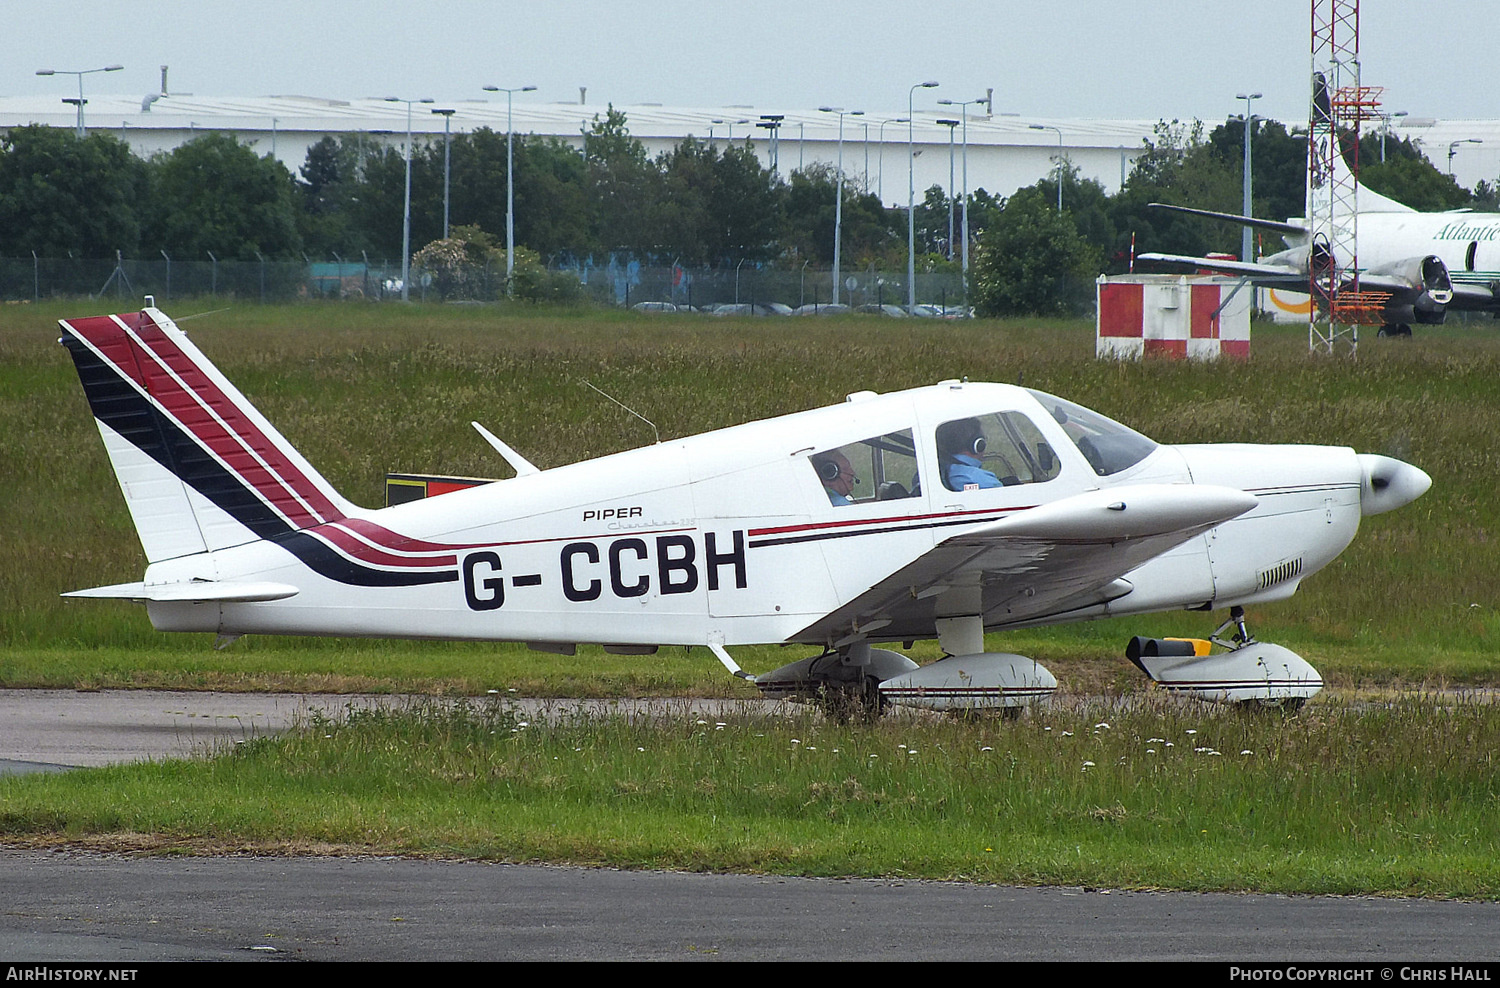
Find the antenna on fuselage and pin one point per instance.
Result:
(632, 411)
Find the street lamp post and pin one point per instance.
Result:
(80, 74)
(911, 198)
(447, 116)
(772, 122)
(963, 106)
(1386, 119)
(838, 208)
(1453, 149)
(510, 183)
(880, 157)
(1245, 243)
(952, 126)
(406, 208)
(1059, 159)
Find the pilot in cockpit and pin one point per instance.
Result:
(960, 443)
(837, 476)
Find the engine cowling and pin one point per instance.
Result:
(1432, 287)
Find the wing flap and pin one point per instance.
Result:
(194, 592)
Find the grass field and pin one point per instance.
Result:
(1395, 798)
(1380, 786)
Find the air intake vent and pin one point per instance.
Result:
(1280, 574)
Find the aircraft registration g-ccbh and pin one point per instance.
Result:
(940, 512)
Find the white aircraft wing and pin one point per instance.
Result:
(1470, 296)
(1272, 274)
(1039, 561)
(1251, 221)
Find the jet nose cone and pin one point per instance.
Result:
(1387, 483)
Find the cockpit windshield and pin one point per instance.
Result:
(1108, 446)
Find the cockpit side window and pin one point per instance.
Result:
(1108, 446)
(1003, 449)
(882, 468)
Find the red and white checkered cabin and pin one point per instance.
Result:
(1185, 316)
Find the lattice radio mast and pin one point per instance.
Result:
(1340, 106)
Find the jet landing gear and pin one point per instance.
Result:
(1394, 329)
(1247, 673)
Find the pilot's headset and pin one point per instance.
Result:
(828, 468)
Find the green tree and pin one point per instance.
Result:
(328, 197)
(1278, 161)
(214, 194)
(1178, 167)
(62, 195)
(625, 187)
(1407, 176)
(1032, 261)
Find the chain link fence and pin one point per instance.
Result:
(617, 283)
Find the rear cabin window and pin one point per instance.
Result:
(1003, 449)
(881, 468)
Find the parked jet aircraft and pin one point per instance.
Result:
(944, 511)
(1429, 262)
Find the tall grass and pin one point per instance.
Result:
(1346, 799)
(366, 389)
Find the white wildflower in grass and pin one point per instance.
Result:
(1101, 726)
(719, 726)
(493, 692)
(796, 741)
(1247, 751)
(523, 724)
(1067, 734)
(986, 748)
(1045, 729)
(1171, 744)
(640, 749)
(1190, 731)
(1088, 764)
(1155, 740)
(701, 723)
(1150, 751)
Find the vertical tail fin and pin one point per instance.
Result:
(1319, 185)
(200, 468)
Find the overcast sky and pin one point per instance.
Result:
(1046, 58)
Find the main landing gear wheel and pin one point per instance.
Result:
(1394, 329)
(859, 702)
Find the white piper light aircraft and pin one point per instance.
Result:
(943, 511)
